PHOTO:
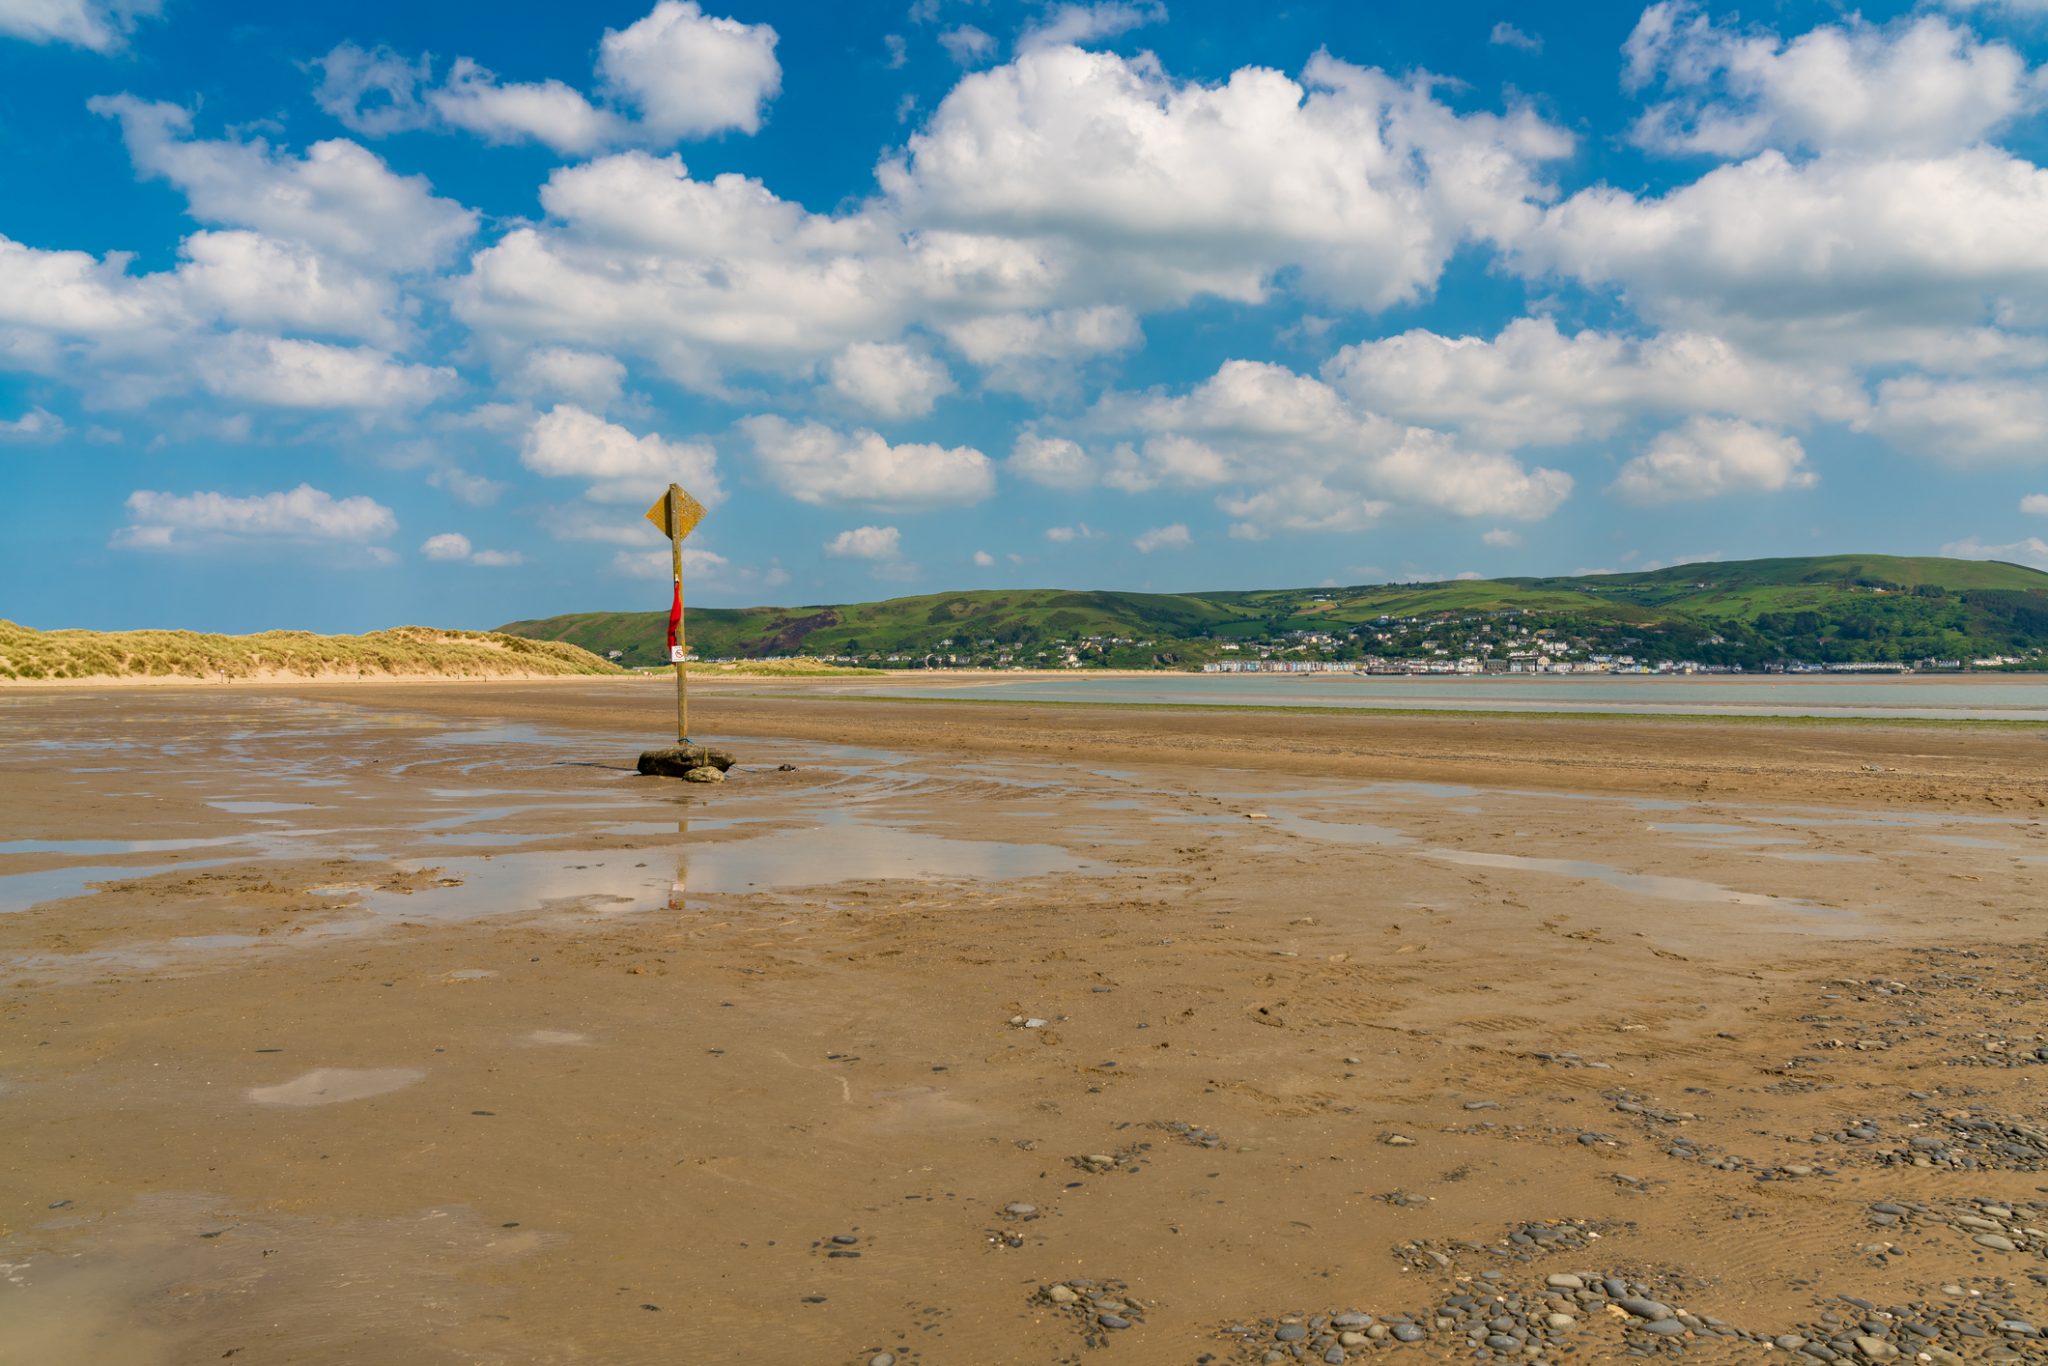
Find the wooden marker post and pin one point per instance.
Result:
(674, 514)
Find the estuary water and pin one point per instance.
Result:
(2006, 697)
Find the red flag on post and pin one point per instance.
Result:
(675, 617)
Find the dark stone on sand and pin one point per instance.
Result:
(676, 761)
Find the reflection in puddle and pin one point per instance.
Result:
(1970, 842)
(92, 848)
(20, 891)
(333, 1085)
(1644, 884)
(804, 857)
(1708, 835)
(1339, 832)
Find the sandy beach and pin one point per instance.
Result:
(353, 1023)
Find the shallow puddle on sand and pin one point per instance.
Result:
(557, 1038)
(1970, 842)
(261, 808)
(1643, 884)
(93, 848)
(1709, 835)
(173, 1276)
(20, 891)
(334, 1085)
(806, 856)
(1339, 832)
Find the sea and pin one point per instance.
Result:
(2006, 698)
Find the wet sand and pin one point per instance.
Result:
(357, 1023)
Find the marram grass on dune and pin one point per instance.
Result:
(28, 655)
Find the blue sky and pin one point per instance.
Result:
(340, 317)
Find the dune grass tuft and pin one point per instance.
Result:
(32, 656)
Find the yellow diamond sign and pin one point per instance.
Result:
(675, 513)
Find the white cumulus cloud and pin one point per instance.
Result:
(1263, 428)
(890, 379)
(1505, 34)
(1859, 259)
(1149, 187)
(96, 25)
(1965, 420)
(570, 442)
(288, 373)
(473, 99)
(1709, 457)
(2036, 503)
(1174, 537)
(37, 424)
(1053, 461)
(2031, 551)
(692, 73)
(1920, 85)
(338, 197)
(454, 546)
(1535, 385)
(162, 521)
(813, 463)
(588, 378)
(688, 74)
(866, 543)
(1081, 24)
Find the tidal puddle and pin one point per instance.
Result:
(1971, 842)
(95, 848)
(261, 808)
(1643, 884)
(1339, 832)
(635, 879)
(557, 1038)
(1708, 835)
(20, 891)
(334, 1085)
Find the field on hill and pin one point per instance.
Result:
(31, 656)
(1819, 609)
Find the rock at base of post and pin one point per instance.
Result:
(686, 761)
(704, 775)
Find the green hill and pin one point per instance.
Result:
(1827, 609)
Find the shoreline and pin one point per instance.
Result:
(420, 1028)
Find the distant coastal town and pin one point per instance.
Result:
(1435, 645)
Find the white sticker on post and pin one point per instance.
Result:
(675, 654)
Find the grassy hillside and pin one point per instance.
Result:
(41, 656)
(1820, 609)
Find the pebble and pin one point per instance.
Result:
(879, 1358)
(1018, 1209)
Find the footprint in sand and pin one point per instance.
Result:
(332, 1085)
